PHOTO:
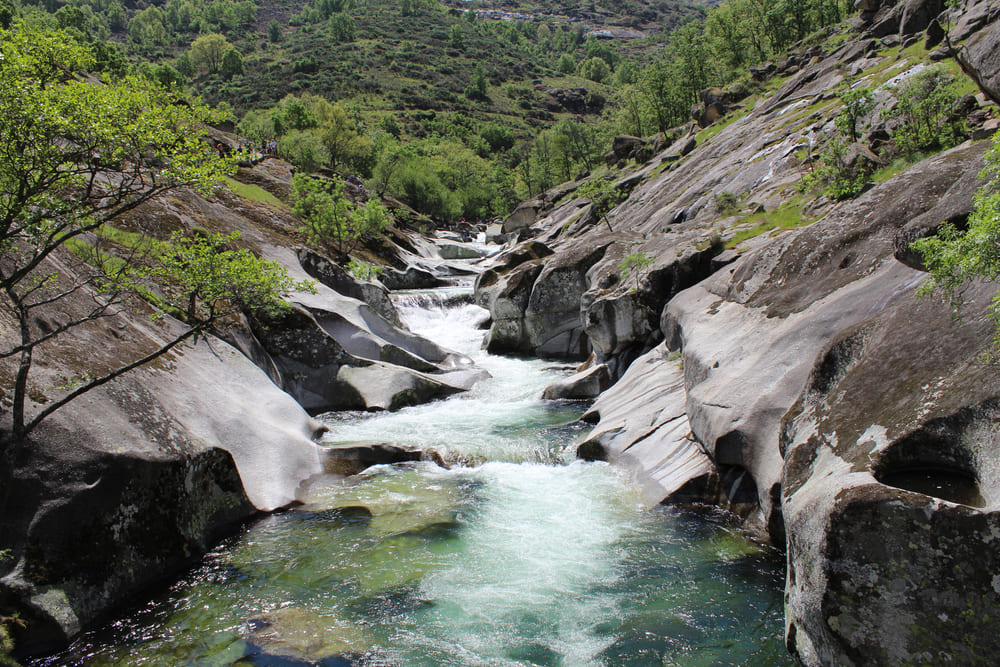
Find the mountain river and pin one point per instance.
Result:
(517, 554)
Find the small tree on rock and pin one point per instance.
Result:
(954, 258)
(77, 157)
(332, 221)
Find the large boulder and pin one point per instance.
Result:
(641, 424)
(129, 482)
(339, 280)
(891, 485)
(552, 323)
(621, 311)
(325, 331)
(750, 334)
(387, 387)
(587, 383)
(523, 216)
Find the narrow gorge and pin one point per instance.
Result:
(682, 410)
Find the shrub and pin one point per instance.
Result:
(635, 265)
(595, 69)
(954, 258)
(726, 203)
(363, 270)
(331, 221)
(923, 112)
(304, 149)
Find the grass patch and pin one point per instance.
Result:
(786, 216)
(719, 126)
(254, 193)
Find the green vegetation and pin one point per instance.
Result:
(85, 155)
(253, 193)
(603, 196)
(363, 270)
(954, 258)
(924, 113)
(635, 264)
(787, 216)
(333, 222)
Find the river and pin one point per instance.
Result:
(517, 554)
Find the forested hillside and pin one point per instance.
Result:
(458, 110)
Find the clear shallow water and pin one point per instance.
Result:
(529, 558)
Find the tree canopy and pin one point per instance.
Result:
(954, 257)
(76, 156)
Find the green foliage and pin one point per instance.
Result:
(603, 195)
(595, 69)
(566, 64)
(635, 264)
(420, 187)
(456, 37)
(304, 149)
(923, 112)
(88, 154)
(840, 176)
(8, 11)
(726, 203)
(363, 270)
(478, 84)
(206, 278)
(857, 102)
(787, 216)
(232, 63)
(845, 170)
(332, 221)
(274, 32)
(954, 258)
(207, 52)
(342, 27)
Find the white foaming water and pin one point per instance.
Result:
(531, 581)
(501, 564)
(501, 418)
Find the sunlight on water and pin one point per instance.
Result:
(502, 417)
(512, 561)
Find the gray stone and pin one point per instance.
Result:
(523, 216)
(587, 383)
(642, 425)
(384, 387)
(456, 251)
(352, 459)
(891, 491)
(411, 278)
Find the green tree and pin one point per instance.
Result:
(78, 157)
(456, 38)
(117, 18)
(332, 221)
(304, 149)
(954, 258)
(207, 51)
(478, 84)
(635, 264)
(857, 103)
(232, 63)
(274, 31)
(595, 69)
(8, 11)
(342, 27)
(923, 112)
(566, 64)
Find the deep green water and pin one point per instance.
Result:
(522, 556)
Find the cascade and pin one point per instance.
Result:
(513, 553)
